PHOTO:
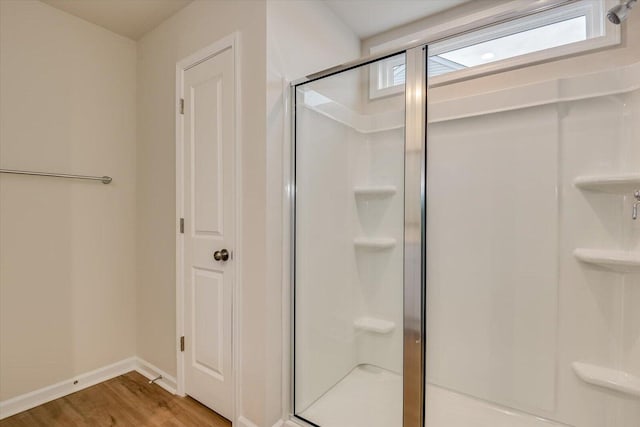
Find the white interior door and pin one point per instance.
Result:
(209, 230)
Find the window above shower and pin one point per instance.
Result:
(568, 30)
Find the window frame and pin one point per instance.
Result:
(600, 34)
(382, 71)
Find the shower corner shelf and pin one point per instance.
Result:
(617, 184)
(375, 191)
(620, 261)
(374, 243)
(612, 379)
(371, 324)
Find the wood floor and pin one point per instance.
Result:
(127, 400)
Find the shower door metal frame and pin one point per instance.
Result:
(414, 273)
(415, 142)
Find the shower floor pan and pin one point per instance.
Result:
(372, 397)
(367, 397)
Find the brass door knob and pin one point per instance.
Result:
(221, 255)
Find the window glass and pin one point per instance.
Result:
(534, 40)
(570, 29)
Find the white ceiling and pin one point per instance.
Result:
(369, 17)
(129, 18)
(133, 18)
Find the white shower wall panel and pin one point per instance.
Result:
(596, 324)
(510, 309)
(338, 283)
(631, 327)
(325, 296)
(630, 161)
(630, 153)
(589, 298)
(492, 256)
(379, 161)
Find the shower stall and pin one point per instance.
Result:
(469, 261)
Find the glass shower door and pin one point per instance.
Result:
(357, 249)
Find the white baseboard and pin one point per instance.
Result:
(150, 371)
(244, 422)
(32, 399)
(79, 382)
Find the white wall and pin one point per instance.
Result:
(67, 271)
(79, 215)
(301, 37)
(194, 27)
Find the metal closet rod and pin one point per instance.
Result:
(103, 179)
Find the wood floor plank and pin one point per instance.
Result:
(127, 400)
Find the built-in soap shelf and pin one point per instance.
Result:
(612, 379)
(375, 191)
(370, 324)
(374, 243)
(621, 261)
(617, 184)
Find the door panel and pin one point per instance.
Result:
(209, 191)
(206, 101)
(208, 334)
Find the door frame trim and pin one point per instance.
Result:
(232, 42)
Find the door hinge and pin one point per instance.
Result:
(182, 343)
(182, 225)
(181, 105)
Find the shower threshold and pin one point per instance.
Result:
(368, 396)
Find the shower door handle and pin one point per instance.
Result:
(221, 255)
